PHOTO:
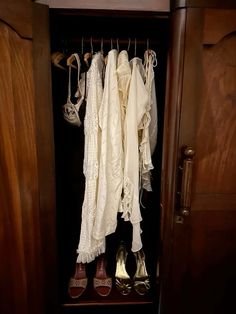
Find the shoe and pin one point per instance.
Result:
(78, 283)
(101, 282)
(141, 277)
(123, 281)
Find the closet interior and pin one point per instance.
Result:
(82, 31)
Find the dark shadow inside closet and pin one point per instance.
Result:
(67, 28)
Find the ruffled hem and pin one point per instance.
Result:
(87, 257)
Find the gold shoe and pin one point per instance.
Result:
(141, 277)
(123, 281)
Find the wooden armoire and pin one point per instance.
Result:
(189, 223)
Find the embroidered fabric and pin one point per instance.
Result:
(136, 108)
(111, 154)
(89, 247)
(150, 62)
(120, 137)
(70, 110)
(123, 76)
(144, 134)
(148, 137)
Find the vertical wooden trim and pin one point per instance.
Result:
(192, 77)
(13, 297)
(45, 151)
(170, 149)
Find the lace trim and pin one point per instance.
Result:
(87, 257)
(127, 201)
(145, 154)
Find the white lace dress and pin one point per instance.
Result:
(111, 154)
(88, 247)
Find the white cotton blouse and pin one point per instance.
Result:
(111, 154)
(88, 247)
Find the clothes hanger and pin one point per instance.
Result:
(128, 45)
(117, 44)
(102, 51)
(135, 47)
(149, 52)
(88, 55)
(56, 58)
(69, 61)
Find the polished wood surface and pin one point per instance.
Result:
(216, 4)
(27, 241)
(170, 155)
(218, 25)
(20, 246)
(204, 244)
(44, 124)
(18, 15)
(128, 5)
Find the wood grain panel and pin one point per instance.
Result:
(212, 259)
(204, 245)
(23, 92)
(18, 15)
(12, 248)
(169, 161)
(20, 236)
(45, 151)
(217, 24)
(216, 150)
(214, 202)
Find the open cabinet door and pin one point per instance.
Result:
(26, 161)
(199, 165)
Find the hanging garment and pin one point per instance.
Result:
(111, 154)
(123, 76)
(150, 61)
(89, 247)
(145, 159)
(135, 111)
